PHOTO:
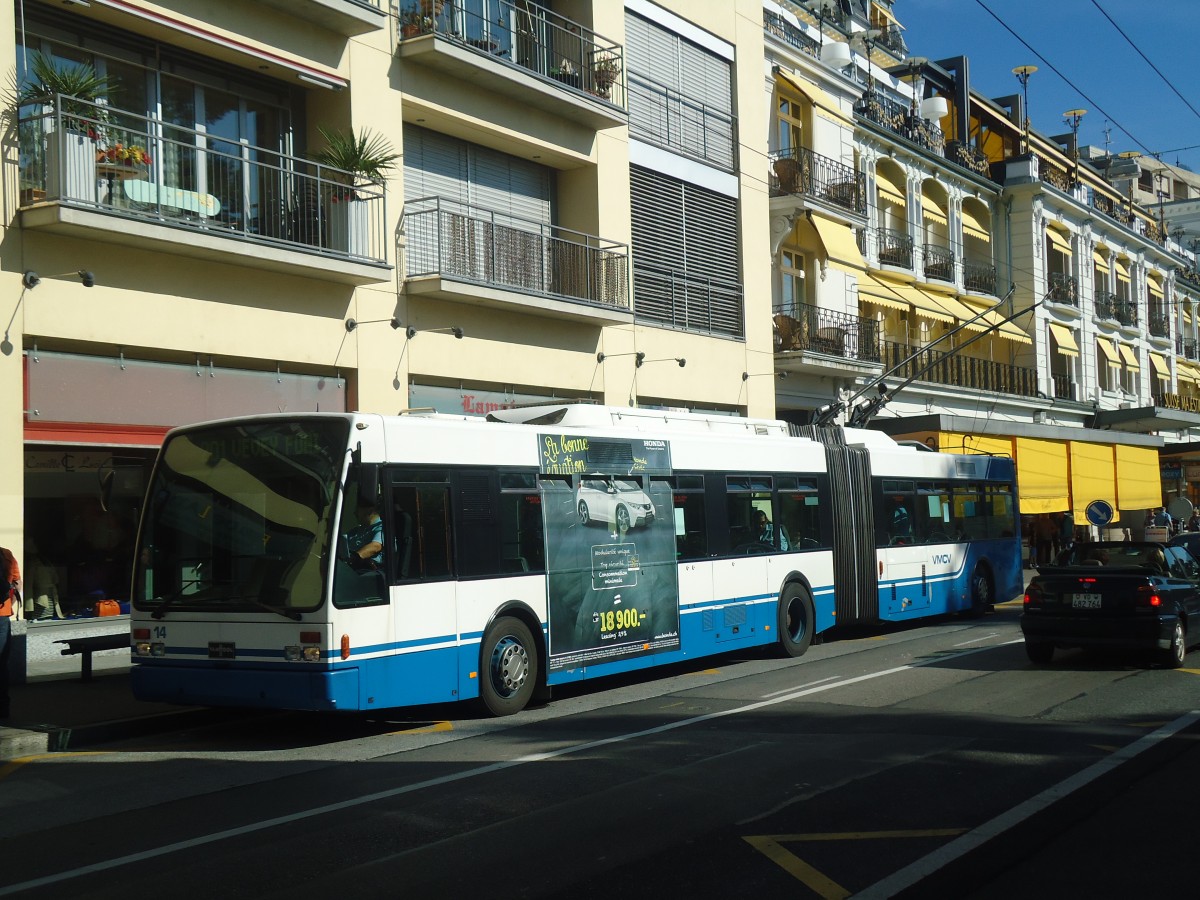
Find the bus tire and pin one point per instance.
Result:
(508, 667)
(795, 620)
(983, 595)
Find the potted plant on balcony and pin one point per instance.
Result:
(361, 159)
(70, 157)
(606, 69)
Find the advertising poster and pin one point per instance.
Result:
(612, 578)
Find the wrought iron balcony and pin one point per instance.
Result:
(1053, 174)
(979, 277)
(801, 171)
(958, 370)
(132, 167)
(666, 118)
(1187, 349)
(1188, 276)
(902, 120)
(801, 326)
(1159, 322)
(776, 25)
(1063, 289)
(1113, 209)
(458, 242)
(524, 34)
(1127, 313)
(1106, 303)
(939, 263)
(1064, 386)
(969, 157)
(895, 248)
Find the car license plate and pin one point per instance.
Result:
(1085, 601)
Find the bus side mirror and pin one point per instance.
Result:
(368, 482)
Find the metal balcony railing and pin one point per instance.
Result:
(1053, 174)
(959, 371)
(1063, 289)
(979, 277)
(971, 158)
(899, 118)
(801, 326)
(776, 25)
(1064, 386)
(523, 34)
(695, 303)
(666, 118)
(1106, 303)
(133, 166)
(1159, 322)
(895, 248)
(468, 243)
(1187, 349)
(1126, 313)
(1188, 276)
(939, 262)
(1111, 208)
(801, 171)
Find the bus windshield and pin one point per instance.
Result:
(238, 518)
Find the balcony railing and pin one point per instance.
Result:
(895, 248)
(467, 243)
(1106, 303)
(1064, 386)
(1127, 313)
(523, 34)
(666, 118)
(959, 371)
(705, 305)
(801, 326)
(1159, 322)
(777, 25)
(1188, 276)
(979, 277)
(1187, 349)
(138, 167)
(969, 157)
(801, 171)
(1063, 289)
(1114, 210)
(1052, 174)
(900, 119)
(939, 262)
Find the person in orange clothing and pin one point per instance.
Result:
(11, 575)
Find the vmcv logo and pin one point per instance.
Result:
(942, 558)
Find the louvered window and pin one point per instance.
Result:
(680, 95)
(685, 255)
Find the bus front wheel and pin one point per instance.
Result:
(795, 620)
(509, 667)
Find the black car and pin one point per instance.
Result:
(1189, 541)
(1141, 595)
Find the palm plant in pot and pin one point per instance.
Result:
(360, 159)
(68, 93)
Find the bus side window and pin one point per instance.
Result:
(691, 535)
(425, 511)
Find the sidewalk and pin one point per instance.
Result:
(54, 710)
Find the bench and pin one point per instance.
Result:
(86, 646)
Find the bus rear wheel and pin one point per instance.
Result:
(795, 620)
(508, 666)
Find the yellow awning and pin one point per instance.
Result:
(1064, 339)
(932, 213)
(881, 293)
(885, 15)
(821, 101)
(1061, 242)
(1154, 281)
(1121, 268)
(1042, 476)
(889, 190)
(1130, 357)
(840, 245)
(1108, 349)
(951, 305)
(1185, 373)
(1101, 260)
(922, 303)
(1158, 362)
(974, 226)
(1139, 480)
(993, 318)
(1093, 476)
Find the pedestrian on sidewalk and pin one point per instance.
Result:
(10, 577)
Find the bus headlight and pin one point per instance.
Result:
(291, 653)
(305, 653)
(146, 648)
(312, 653)
(142, 648)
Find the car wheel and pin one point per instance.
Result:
(622, 519)
(508, 665)
(1173, 656)
(795, 620)
(584, 516)
(1039, 652)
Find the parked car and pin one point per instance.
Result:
(1189, 541)
(619, 502)
(1139, 595)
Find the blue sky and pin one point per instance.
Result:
(1075, 37)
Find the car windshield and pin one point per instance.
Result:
(626, 486)
(1114, 553)
(237, 517)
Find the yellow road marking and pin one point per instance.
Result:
(430, 729)
(1189, 671)
(770, 845)
(706, 672)
(14, 765)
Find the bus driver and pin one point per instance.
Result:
(366, 541)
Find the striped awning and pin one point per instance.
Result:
(1064, 339)
(993, 318)
(881, 293)
(889, 189)
(1130, 356)
(1061, 242)
(1158, 362)
(1108, 349)
(973, 225)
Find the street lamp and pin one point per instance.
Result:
(1072, 118)
(1023, 73)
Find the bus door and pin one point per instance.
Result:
(692, 552)
(744, 576)
(904, 585)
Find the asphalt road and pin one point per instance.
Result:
(904, 762)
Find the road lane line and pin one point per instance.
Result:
(977, 640)
(801, 687)
(905, 878)
(492, 768)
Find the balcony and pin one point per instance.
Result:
(779, 27)
(970, 158)
(939, 263)
(521, 50)
(345, 17)
(805, 173)
(1054, 175)
(1187, 349)
(1126, 313)
(1113, 209)
(1064, 386)
(958, 371)
(980, 278)
(901, 120)
(704, 305)
(1159, 322)
(666, 118)
(472, 255)
(1063, 289)
(812, 329)
(116, 176)
(895, 248)
(1190, 277)
(1106, 303)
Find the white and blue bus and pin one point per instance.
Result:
(543, 546)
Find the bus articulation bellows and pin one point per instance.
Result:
(543, 546)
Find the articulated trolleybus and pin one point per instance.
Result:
(544, 546)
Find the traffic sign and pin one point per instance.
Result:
(1100, 512)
